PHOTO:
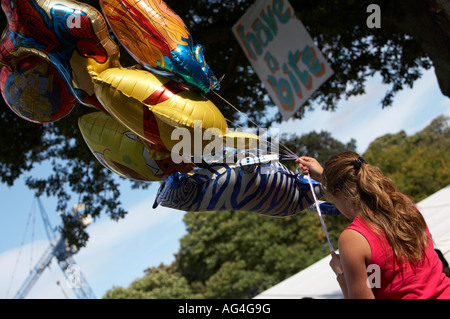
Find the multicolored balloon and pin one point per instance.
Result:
(153, 107)
(35, 90)
(122, 152)
(269, 189)
(159, 40)
(71, 40)
(70, 35)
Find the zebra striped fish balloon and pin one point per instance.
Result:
(269, 189)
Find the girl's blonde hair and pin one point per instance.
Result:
(376, 199)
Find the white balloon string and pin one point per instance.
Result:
(235, 108)
(291, 154)
(319, 212)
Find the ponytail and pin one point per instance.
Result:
(375, 198)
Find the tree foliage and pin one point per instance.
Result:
(318, 145)
(159, 283)
(418, 164)
(414, 35)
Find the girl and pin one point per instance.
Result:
(387, 251)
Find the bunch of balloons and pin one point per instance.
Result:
(55, 53)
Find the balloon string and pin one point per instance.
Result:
(235, 108)
(291, 154)
(319, 212)
(286, 155)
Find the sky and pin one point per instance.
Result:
(118, 252)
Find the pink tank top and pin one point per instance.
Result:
(395, 281)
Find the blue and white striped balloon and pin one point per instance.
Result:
(265, 188)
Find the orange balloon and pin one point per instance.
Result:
(149, 29)
(158, 39)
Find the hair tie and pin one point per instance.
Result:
(357, 163)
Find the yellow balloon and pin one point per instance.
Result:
(122, 152)
(153, 107)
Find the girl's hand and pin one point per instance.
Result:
(310, 166)
(335, 263)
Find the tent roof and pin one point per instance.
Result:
(319, 281)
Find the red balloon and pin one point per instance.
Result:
(35, 91)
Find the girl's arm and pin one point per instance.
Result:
(354, 251)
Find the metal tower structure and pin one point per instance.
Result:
(63, 253)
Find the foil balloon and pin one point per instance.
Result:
(157, 108)
(70, 35)
(159, 40)
(122, 152)
(35, 91)
(265, 188)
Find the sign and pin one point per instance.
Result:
(282, 53)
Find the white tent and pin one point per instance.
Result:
(319, 281)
